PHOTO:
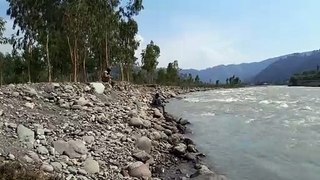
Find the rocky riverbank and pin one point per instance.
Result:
(95, 131)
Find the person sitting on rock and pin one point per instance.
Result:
(157, 102)
(106, 76)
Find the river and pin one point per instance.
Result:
(259, 133)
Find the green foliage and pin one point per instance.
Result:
(75, 40)
(149, 59)
(2, 29)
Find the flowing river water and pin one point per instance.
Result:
(259, 133)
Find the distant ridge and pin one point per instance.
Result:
(273, 70)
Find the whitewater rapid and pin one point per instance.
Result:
(260, 133)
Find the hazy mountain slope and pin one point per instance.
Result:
(245, 71)
(280, 71)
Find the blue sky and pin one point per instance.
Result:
(205, 33)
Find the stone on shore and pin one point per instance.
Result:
(142, 156)
(25, 134)
(144, 143)
(47, 168)
(91, 166)
(136, 122)
(157, 113)
(139, 170)
(98, 87)
(180, 149)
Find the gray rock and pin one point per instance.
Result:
(192, 148)
(72, 170)
(34, 156)
(25, 134)
(146, 123)
(136, 122)
(144, 143)
(142, 156)
(42, 150)
(88, 139)
(46, 168)
(63, 147)
(11, 157)
(57, 166)
(78, 146)
(31, 92)
(139, 170)
(98, 87)
(29, 105)
(56, 85)
(28, 159)
(184, 122)
(157, 113)
(81, 178)
(91, 166)
(1, 112)
(15, 94)
(12, 125)
(82, 172)
(82, 101)
(155, 135)
(40, 131)
(180, 149)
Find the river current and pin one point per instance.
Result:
(259, 133)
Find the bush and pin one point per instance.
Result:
(17, 171)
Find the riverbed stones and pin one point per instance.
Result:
(91, 128)
(144, 143)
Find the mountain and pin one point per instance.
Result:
(245, 71)
(280, 71)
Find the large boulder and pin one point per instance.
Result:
(25, 134)
(139, 170)
(144, 143)
(136, 122)
(82, 101)
(73, 149)
(204, 173)
(142, 156)
(98, 87)
(180, 149)
(157, 113)
(91, 166)
(78, 146)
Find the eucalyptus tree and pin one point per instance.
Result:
(149, 59)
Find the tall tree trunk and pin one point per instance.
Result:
(1, 77)
(48, 59)
(75, 61)
(107, 57)
(29, 63)
(121, 69)
(71, 56)
(84, 67)
(128, 73)
(101, 67)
